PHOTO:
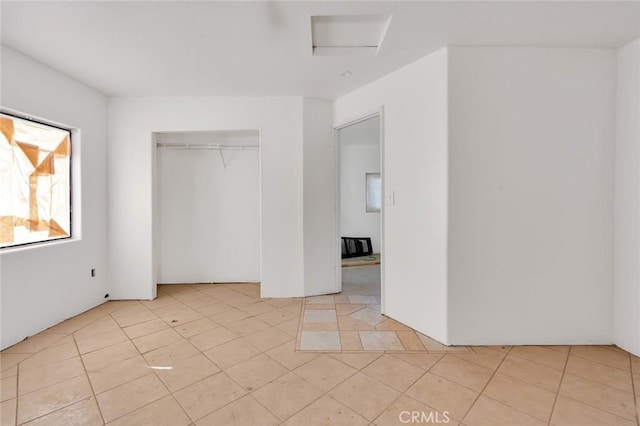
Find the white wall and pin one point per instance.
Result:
(414, 264)
(531, 157)
(132, 273)
(45, 284)
(627, 200)
(209, 214)
(359, 146)
(320, 260)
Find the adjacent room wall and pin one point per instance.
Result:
(627, 201)
(132, 121)
(209, 214)
(531, 157)
(320, 259)
(414, 264)
(44, 284)
(359, 147)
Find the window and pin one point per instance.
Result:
(35, 182)
(374, 192)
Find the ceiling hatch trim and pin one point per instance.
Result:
(337, 35)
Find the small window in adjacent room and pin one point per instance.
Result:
(35, 182)
(374, 192)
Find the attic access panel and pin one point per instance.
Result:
(348, 34)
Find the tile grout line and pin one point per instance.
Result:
(53, 384)
(152, 370)
(158, 377)
(126, 359)
(18, 390)
(633, 387)
(555, 400)
(485, 385)
(402, 393)
(597, 362)
(86, 373)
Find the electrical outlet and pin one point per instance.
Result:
(390, 198)
(93, 272)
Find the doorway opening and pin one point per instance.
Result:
(360, 209)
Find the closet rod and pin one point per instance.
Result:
(205, 146)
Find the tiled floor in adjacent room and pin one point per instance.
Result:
(219, 355)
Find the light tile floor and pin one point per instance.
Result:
(353, 324)
(220, 355)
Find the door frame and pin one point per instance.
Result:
(338, 268)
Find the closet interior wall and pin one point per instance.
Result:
(208, 186)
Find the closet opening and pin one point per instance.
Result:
(207, 219)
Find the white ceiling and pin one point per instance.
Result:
(163, 48)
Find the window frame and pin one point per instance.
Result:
(73, 132)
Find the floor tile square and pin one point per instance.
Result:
(350, 341)
(400, 413)
(364, 300)
(44, 401)
(531, 399)
(156, 340)
(129, 397)
(531, 372)
(109, 356)
(196, 327)
(185, 372)
(348, 309)
(231, 353)
(364, 395)
(599, 396)
(487, 412)
(256, 372)
(320, 315)
(380, 341)
(276, 316)
(268, 338)
(85, 413)
(46, 356)
(369, 316)
(247, 326)
(208, 395)
(357, 360)
(601, 373)
(50, 374)
(443, 395)
(105, 378)
(287, 355)
(326, 411)
(163, 412)
(244, 411)
(603, 355)
(209, 339)
(568, 412)
(8, 412)
(320, 299)
(168, 355)
(287, 395)
(144, 328)
(541, 355)
(465, 373)
(324, 372)
(320, 341)
(394, 372)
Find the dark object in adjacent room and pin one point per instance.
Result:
(354, 247)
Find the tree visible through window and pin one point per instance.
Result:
(35, 182)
